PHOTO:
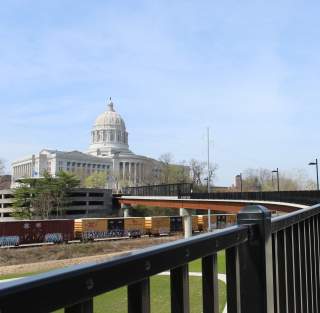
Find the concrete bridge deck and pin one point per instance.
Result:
(228, 206)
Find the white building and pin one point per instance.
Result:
(108, 151)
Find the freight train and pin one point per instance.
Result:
(15, 233)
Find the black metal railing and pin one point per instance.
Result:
(272, 265)
(307, 197)
(159, 190)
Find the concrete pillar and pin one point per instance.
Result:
(125, 208)
(187, 222)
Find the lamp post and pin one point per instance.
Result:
(277, 171)
(316, 164)
(240, 178)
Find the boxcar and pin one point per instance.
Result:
(90, 228)
(134, 226)
(176, 224)
(36, 231)
(157, 225)
(195, 223)
(203, 222)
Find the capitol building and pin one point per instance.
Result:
(108, 152)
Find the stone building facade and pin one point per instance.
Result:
(108, 152)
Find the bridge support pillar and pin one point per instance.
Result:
(187, 222)
(125, 209)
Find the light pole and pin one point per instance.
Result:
(277, 171)
(208, 164)
(240, 178)
(316, 164)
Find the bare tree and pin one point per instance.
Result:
(166, 161)
(2, 167)
(262, 180)
(197, 169)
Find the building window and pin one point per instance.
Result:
(93, 166)
(73, 163)
(84, 165)
(98, 166)
(68, 163)
(89, 165)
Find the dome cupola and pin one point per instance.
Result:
(109, 134)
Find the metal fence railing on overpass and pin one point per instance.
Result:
(307, 197)
(159, 190)
(272, 265)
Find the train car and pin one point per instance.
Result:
(203, 222)
(91, 228)
(95, 228)
(36, 231)
(134, 226)
(231, 219)
(226, 220)
(176, 224)
(195, 223)
(157, 225)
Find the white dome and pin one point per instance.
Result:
(109, 133)
(109, 118)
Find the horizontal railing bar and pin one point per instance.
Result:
(82, 282)
(287, 220)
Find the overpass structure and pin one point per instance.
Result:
(186, 206)
(221, 205)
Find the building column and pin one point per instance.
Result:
(141, 172)
(187, 222)
(129, 172)
(135, 173)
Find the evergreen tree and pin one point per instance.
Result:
(43, 197)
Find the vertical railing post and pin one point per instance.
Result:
(255, 261)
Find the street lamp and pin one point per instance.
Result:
(240, 178)
(316, 164)
(277, 171)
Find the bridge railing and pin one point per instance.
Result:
(307, 197)
(159, 190)
(272, 265)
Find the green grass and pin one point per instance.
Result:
(19, 275)
(195, 266)
(116, 301)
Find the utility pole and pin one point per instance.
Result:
(278, 182)
(208, 181)
(317, 171)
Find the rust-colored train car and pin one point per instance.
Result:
(36, 231)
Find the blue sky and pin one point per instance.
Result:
(247, 69)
